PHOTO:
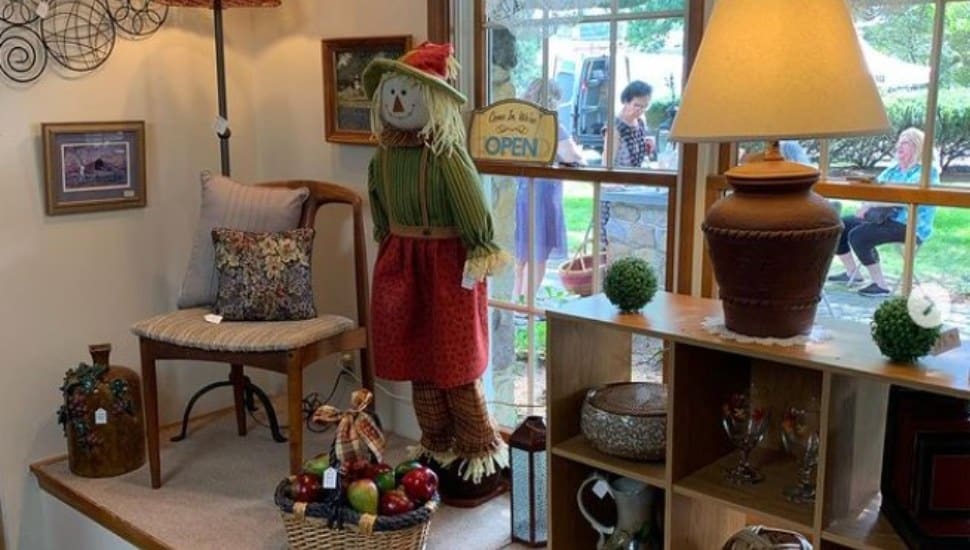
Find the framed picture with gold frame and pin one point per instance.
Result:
(346, 108)
(93, 166)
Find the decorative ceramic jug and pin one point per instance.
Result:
(102, 417)
(634, 507)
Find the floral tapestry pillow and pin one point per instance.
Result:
(264, 276)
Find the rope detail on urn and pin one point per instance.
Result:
(817, 234)
(774, 304)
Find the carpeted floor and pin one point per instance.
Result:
(217, 492)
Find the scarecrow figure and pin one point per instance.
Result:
(429, 306)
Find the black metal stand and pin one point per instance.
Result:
(249, 390)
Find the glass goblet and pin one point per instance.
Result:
(799, 437)
(745, 425)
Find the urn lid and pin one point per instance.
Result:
(630, 398)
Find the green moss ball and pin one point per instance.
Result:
(898, 337)
(630, 283)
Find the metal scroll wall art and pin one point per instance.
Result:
(78, 35)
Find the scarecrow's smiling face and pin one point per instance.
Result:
(402, 105)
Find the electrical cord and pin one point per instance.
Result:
(310, 404)
(403, 399)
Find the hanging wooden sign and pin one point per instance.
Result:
(513, 131)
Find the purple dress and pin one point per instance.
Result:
(550, 232)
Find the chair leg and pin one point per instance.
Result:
(366, 371)
(828, 305)
(294, 401)
(150, 394)
(238, 390)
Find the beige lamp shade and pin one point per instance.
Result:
(779, 69)
(224, 3)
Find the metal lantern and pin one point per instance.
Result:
(527, 449)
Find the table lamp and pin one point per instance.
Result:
(775, 69)
(217, 6)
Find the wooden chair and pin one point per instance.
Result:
(286, 347)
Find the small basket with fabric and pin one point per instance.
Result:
(577, 274)
(318, 525)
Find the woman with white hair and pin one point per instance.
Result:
(874, 224)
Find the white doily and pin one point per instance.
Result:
(715, 326)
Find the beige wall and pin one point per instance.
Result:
(69, 281)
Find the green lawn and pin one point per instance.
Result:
(945, 257)
(578, 211)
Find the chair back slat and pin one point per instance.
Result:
(322, 193)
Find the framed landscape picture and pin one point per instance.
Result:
(346, 109)
(92, 166)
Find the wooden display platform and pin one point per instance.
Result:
(218, 493)
(589, 344)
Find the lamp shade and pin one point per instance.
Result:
(223, 3)
(779, 69)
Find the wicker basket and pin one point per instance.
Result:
(307, 526)
(577, 274)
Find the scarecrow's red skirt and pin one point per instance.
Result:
(425, 326)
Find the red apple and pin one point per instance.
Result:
(374, 470)
(307, 488)
(420, 484)
(363, 496)
(356, 469)
(395, 502)
(405, 467)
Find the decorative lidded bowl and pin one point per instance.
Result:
(627, 419)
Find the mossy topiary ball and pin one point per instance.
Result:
(630, 283)
(898, 337)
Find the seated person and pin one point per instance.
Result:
(874, 224)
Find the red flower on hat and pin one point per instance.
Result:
(434, 59)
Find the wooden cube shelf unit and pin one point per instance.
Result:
(589, 344)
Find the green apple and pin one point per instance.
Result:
(386, 481)
(317, 465)
(363, 496)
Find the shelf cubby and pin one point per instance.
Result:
(866, 529)
(589, 344)
(578, 449)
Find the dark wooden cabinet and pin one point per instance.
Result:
(926, 469)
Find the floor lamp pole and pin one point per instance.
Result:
(250, 390)
(221, 86)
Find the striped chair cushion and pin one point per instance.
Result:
(186, 327)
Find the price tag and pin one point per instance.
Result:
(42, 9)
(330, 478)
(467, 281)
(100, 416)
(220, 125)
(949, 339)
(600, 488)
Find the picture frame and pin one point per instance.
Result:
(346, 108)
(93, 166)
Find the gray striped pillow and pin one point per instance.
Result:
(226, 203)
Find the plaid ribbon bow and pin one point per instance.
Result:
(356, 430)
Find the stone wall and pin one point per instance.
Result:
(637, 224)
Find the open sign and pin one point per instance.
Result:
(513, 130)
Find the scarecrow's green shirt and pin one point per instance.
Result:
(454, 198)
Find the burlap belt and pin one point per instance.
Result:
(418, 232)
